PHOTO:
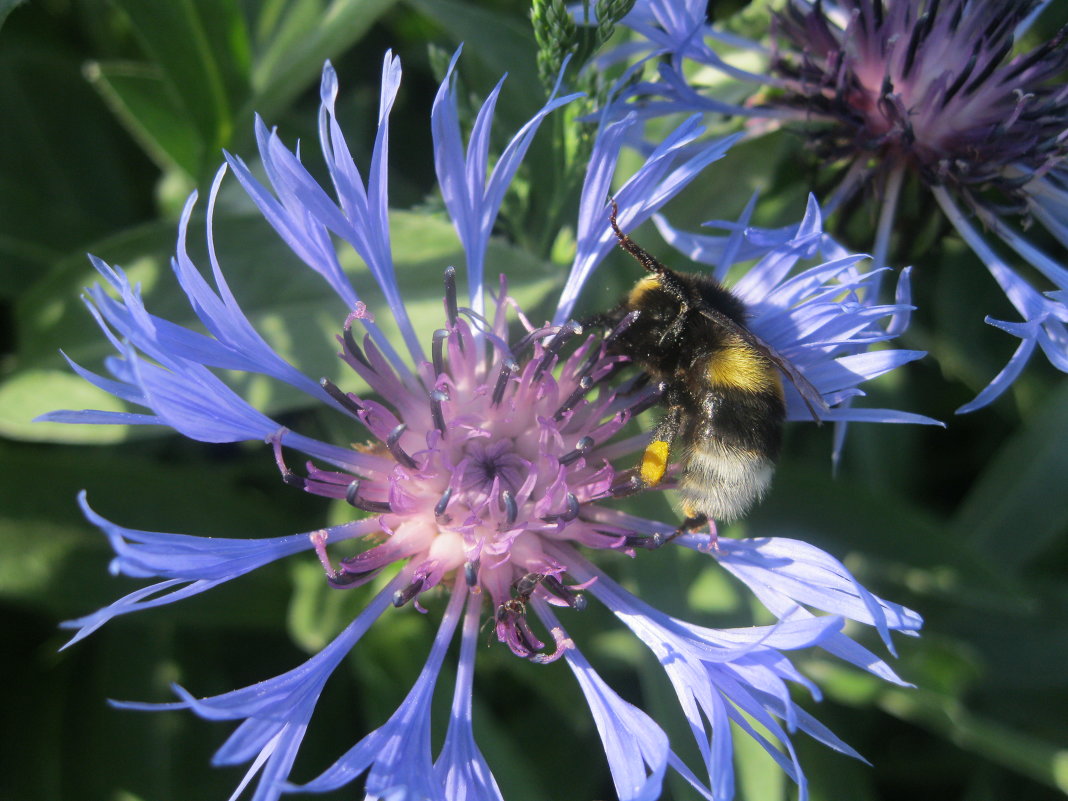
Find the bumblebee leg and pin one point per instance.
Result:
(655, 459)
(689, 524)
(675, 329)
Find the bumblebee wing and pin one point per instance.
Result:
(806, 389)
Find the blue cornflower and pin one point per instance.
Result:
(886, 89)
(489, 472)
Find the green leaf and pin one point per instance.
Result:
(30, 393)
(295, 43)
(758, 777)
(1044, 761)
(202, 51)
(140, 97)
(63, 183)
(7, 6)
(494, 44)
(290, 305)
(1018, 506)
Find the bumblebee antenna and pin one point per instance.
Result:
(633, 248)
(668, 278)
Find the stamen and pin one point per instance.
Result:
(963, 77)
(511, 508)
(344, 579)
(648, 401)
(985, 72)
(576, 600)
(508, 369)
(443, 502)
(622, 326)
(451, 307)
(533, 336)
(573, 508)
(527, 637)
(352, 497)
(646, 542)
(393, 443)
(342, 397)
(570, 513)
(629, 486)
(437, 397)
(288, 476)
(566, 332)
(354, 350)
(582, 447)
(471, 573)
(293, 480)
(437, 351)
(401, 597)
(584, 385)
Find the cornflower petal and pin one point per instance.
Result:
(398, 752)
(636, 747)
(719, 673)
(460, 767)
(472, 193)
(275, 713)
(645, 192)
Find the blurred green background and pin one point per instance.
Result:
(112, 111)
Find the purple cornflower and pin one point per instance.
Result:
(886, 88)
(488, 474)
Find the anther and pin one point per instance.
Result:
(648, 401)
(292, 479)
(575, 600)
(393, 443)
(437, 351)
(511, 508)
(353, 349)
(622, 325)
(437, 397)
(569, 514)
(573, 508)
(630, 486)
(584, 385)
(401, 597)
(443, 502)
(582, 447)
(343, 579)
(471, 573)
(560, 338)
(508, 369)
(648, 543)
(451, 307)
(352, 497)
(342, 397)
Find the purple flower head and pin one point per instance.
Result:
(486, 468)
(928, 86)
(890, 88)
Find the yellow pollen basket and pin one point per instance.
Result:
(654, 463)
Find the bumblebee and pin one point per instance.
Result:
(721, 387)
